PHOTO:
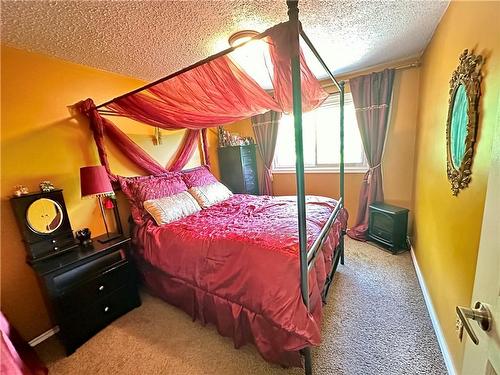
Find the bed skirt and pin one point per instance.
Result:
(275, 344)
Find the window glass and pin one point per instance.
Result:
(321, 138)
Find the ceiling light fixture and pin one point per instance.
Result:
(242, 36)
(253, 57)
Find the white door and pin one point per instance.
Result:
(484, 358)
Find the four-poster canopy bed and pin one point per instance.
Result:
(213, 92)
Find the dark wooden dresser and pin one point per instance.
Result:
(88, 288)
(238, 169)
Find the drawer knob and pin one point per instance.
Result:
(101, 288)
(106, 309)
(56, 248)
(54, 241)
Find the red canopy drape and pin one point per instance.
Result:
(102, 127)
(213, 94)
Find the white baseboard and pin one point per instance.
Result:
(434, 319)
(44, 336)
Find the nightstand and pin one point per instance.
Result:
(88, 288)
(387, 226)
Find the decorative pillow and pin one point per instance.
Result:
(143, 188)
(208, 195)
(167, 209)
(198, 176)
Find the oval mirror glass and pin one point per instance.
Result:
(458, 126)
(44, 216)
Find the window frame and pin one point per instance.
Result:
(326, 168)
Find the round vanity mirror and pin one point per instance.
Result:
(44, 216)
(458, 126)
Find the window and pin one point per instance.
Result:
(321, 138)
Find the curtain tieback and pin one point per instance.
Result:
(269, 172)
(370, 173)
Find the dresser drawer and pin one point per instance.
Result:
(78, 328)
(248, 160)
(86, 271)
(88, 292)
(247, 151)
(43, 248)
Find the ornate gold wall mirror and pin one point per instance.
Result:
(461, 126)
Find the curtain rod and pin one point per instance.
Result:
(190, 67)
(412, 65)
(400, 67)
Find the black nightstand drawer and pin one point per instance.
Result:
(86, 271)
(88, 288)
(78, 328)
(90, 291)
(52, 246)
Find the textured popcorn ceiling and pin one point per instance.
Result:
(149, 39)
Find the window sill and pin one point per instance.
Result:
(321, 170)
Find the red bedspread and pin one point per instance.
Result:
(236, 265)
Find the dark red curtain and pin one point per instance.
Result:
(371, 95)
(265, 128)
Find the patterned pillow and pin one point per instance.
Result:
(167, 209)
(198, 176)
(143, 188)
(208, 195)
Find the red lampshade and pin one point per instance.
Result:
(94, 180)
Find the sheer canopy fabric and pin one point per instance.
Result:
(215, 93)
(220, 92)
(102, 127)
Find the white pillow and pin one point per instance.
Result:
(167, 209)
(208, 195)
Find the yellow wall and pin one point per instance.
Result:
(398, 158)
(447, 228)
(39, 141)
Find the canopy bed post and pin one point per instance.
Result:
(341, 86)
(152, 109)
(293, 15)
(342, 98)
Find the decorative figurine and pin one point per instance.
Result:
(20, 190)
(83, 235)
(227, 139)
(46, 186)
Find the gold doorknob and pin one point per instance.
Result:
(480, 313)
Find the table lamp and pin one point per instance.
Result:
(94, 181)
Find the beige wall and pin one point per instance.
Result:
(447, 228)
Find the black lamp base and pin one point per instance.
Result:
(105, 238)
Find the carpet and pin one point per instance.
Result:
(375, 322)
